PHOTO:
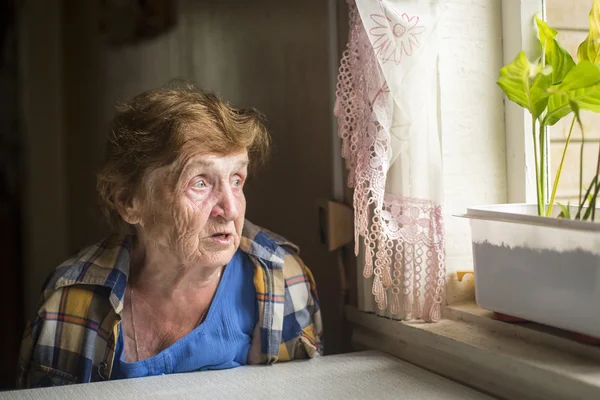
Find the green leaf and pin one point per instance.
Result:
(565, 211)
(553, 53)
(589, 49)
(581, 86)
(525, 84)
(583, 75)
(559, 104)
(558, 108)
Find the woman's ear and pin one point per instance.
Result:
(128, 207)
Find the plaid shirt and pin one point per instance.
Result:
(72, 339)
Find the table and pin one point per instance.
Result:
(362, 375)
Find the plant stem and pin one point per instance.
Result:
(581, 166)
(593, 200)
(587, 193)
(592, 205)
(559, 170)
(537, 170)
(543, 173)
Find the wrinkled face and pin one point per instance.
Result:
(194, 209)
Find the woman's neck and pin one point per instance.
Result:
(154, 272)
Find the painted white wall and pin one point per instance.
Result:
(472, 124)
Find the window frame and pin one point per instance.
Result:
(520, 162)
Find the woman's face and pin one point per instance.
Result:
(194, 209)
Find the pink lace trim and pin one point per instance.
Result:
(403, 237)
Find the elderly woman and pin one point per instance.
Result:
(185, 283)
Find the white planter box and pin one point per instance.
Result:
(541, 269)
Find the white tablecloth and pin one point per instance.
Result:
(363, 375)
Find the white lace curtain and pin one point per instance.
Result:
(387, 111)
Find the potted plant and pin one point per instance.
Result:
(541, 262)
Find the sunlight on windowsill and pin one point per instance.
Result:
(524, 361)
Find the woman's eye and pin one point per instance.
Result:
(237, 182)
(200, 184)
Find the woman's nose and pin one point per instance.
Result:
(227, 206)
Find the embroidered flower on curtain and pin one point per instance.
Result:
(395, 38)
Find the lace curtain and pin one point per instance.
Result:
(387, 111)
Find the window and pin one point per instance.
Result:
(570, 19)
(518, 33)
(510, 361)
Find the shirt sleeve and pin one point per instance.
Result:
(31, 373)
(302, 325)
(70, 335)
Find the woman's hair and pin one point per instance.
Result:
(157, 126)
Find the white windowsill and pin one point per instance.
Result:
(510, 361)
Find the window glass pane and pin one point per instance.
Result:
(570, 19)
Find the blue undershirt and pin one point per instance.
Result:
(221, 341)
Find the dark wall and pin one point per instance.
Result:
(10, 212)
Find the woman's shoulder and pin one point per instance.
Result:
(104, 264)
(79, 306)
(64, 343)
(286, 288)
(254, 237)
(279, 254)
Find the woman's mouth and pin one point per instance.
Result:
(222, 238)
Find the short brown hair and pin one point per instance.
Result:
(153, 129)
